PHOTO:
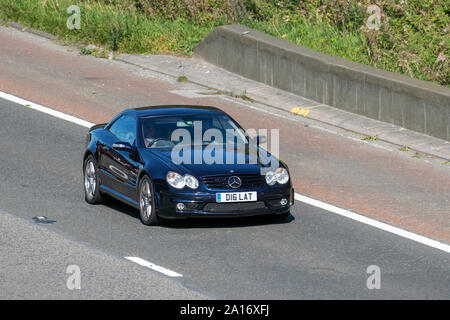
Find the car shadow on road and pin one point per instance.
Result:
(198, 223)
(206, 222)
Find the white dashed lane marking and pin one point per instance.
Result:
(153, 266)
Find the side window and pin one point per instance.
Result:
(124, 129)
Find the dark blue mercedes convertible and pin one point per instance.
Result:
(181, 162)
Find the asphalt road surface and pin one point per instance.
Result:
(335, 166)
(314, 254)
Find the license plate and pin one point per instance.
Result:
(236, 196)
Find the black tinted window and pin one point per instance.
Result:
(161, 129)
(124, 129)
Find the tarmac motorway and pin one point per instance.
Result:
(314, 254)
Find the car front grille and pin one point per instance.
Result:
(221, 181)
(234, 207)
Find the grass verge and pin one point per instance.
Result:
(413, 38)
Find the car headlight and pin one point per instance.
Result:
(175, 180)
(280, 175)
(270, 178)
(178, 181)
(191, 181)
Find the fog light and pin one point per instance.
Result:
(180, 206)
(283, 201)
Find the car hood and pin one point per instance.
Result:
(249, 161)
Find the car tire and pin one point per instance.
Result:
(147, 207)
(92, 193)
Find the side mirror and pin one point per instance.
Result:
(122, 146)
(260, 139)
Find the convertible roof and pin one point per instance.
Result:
(174, 109)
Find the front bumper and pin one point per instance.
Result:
(203, 204)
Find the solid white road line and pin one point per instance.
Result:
(152, 266)
(46, 110)
(298, 197)
(373, 223)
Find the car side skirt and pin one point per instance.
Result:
(119, 196)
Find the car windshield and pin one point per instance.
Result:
(191, 130)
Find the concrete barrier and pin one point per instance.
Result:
(414, 104)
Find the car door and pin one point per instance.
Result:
(120, 168)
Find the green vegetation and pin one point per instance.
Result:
(182, 79)
(243, 96)
(413, 38)
(96, 52)
(371, 138)
(418, 155)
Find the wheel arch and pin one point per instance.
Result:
(142, 173)
(156, 187)
(87, 154)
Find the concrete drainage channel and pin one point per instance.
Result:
(196, 93)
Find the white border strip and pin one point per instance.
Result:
(299, 197)
(46, 110)
(373, 223)
(152, 266)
